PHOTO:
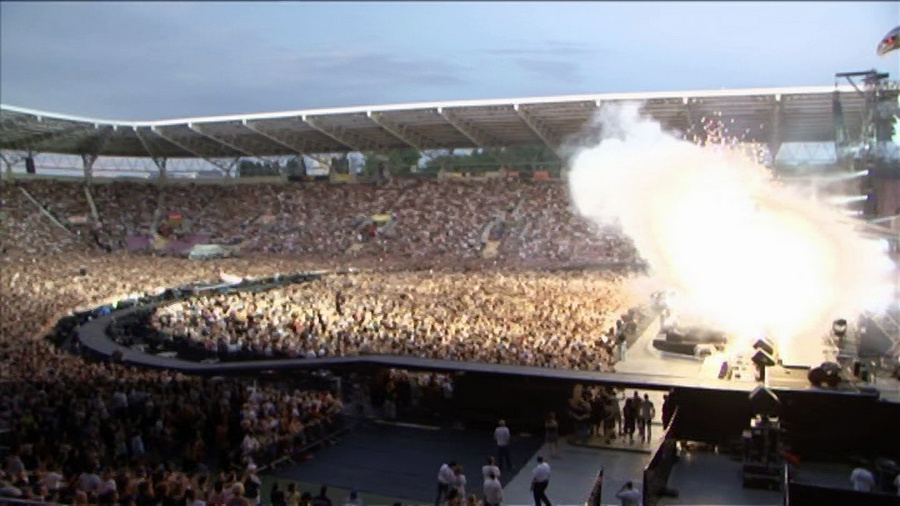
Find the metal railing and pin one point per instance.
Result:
(596, 496)
(656, 472)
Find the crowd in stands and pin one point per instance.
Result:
(433, 220)
(103, 432)
(550, 319)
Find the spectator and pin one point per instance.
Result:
(551, 433)
(540, 480)
(493, 490)
(629, 495)
(862, 479)
(502, 438)
(446, 481)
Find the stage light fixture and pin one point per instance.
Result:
(765, 345)
(839, 327)
(762, 360)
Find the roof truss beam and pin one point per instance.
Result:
(477, 136)
(227, 167)
(302, 149)
(219, 140)
(544, 133)
(160, 161)
(276, 138)
(94, 145)
(342, 136)
(402, 132)
(34, 141)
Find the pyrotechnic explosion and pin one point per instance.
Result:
(742, 253)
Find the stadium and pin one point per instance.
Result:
(235, 307)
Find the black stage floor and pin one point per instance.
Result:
(400, 461)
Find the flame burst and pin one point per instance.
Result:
(742, 253)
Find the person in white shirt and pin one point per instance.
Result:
(862, 479)
(460, 483)
(493, 490)
(446, 478)
(88, 481)
(190, 498)
(502, 437)
(540, 480)
(490, 468)
(897, 484)
(52, 480)
(646, 415)
(629, 495)
(107, 484)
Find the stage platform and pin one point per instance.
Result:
(643, 368)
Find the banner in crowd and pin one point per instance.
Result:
(177, 247)
(135, 243)
(446, 175)
(79, 219)
(342, 178)
(541, 175)
(209, 251)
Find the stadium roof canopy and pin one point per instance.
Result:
(770, 115)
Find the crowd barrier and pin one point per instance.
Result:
(596, 497)
(657, 471)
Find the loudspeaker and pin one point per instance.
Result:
(29, 165)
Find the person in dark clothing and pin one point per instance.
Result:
(667, 411)
(322, 499)
(629, 415)
(144, 496)
(276, 497)
(597, 413)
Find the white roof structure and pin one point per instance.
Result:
(769, 115)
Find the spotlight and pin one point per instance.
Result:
(765, 345)
(762, 360)
(839, 327)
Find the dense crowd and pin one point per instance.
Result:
(78, 429)
(551, 319)
(431, 219)
(102, 432)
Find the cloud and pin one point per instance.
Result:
(557, 48)
(112, 67)
(551, 69)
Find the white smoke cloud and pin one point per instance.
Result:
(742, 252)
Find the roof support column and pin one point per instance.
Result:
(9, 161)
(160, 163)
(87, 160)
(775, 133)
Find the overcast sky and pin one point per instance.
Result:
(145, 61)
